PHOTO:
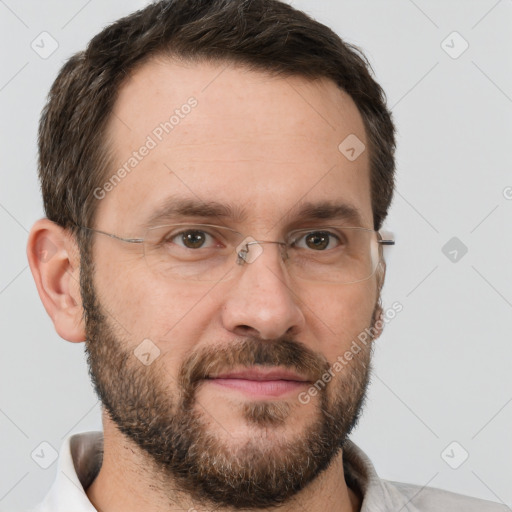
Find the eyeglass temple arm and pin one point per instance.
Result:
(386, 242)
(128, 240)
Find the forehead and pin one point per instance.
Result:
(220, 132)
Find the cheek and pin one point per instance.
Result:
(336, 315)
(145, 306)
(162, 319)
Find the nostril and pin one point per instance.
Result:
(246, 330)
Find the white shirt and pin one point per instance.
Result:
(81, 457)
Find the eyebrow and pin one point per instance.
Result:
(330, 210)
(174, 208)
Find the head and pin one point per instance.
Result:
(233, 113)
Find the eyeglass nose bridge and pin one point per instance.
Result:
(243, 255)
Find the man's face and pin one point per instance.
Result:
(265, 147)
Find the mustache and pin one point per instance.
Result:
(251, 351)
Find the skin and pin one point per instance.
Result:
(255, 141)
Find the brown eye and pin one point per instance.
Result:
(192, 239)
(317, 241)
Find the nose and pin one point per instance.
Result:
(260, 301)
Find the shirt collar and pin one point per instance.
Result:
(378, 495)
(80, 460)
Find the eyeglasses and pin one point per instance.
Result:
(205, 252)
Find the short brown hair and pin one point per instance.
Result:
(265, 35)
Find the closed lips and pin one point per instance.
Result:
(261, 375)
(260, 383)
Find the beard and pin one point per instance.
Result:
(174, 431)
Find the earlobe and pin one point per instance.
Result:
(54, 261)
(377, 320)
(378, 312)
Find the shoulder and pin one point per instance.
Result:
(431, 499)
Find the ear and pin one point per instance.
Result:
(54, 261)
(377, 320)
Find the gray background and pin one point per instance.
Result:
(442, 367)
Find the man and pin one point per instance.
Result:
(215, 174)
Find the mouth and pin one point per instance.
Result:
(260, 382)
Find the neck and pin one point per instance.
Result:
(128, 482)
